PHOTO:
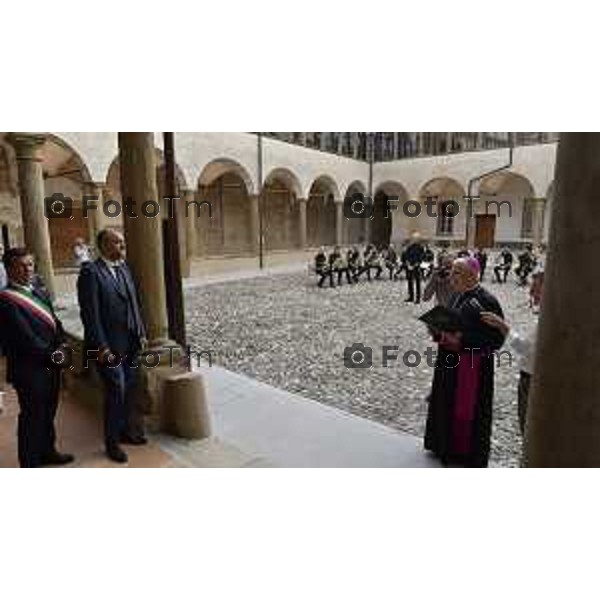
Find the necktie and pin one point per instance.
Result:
(121, 278)
(131, 313)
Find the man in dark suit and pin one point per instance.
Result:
(32, 338)
(413, 257)
(114, 335)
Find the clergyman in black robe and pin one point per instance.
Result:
(459, 419)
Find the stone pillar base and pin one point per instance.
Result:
(184, 407)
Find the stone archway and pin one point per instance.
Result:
(389, 221)
(446, 198)
(281, 216)
(353, 230)
(510, 198)
(321, 213)
(227, 232)
(65, 173)
(10, 217)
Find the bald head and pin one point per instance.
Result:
(465, 274)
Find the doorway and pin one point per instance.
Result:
(485, 231)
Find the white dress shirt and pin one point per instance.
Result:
(524, 346)
(111, 264)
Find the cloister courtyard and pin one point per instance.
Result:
(283, 330)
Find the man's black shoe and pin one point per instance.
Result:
(116, 454)
(57, 459)
(408, 300)
(134, 440)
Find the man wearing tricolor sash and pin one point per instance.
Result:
(31, 334)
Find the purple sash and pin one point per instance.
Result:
(465, 402)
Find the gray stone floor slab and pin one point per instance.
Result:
(288, 430)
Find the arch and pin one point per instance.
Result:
(354, 187)
(321, 212)
(281, 210)
(113, 177)
(506, 182)
(288, 178)
(227, 232)
(392, 188)
(222, 166)
(446, 223)
(442, 187)
(326, 182)
(516, 220)
(354, 230)
(65, 172)
(389, 220)
(60, 158)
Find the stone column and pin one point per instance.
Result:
(95, 221)
(564, 412)
(182, 233)
(471, 223)
(367, 230)
(302, 223)
(188, 214)
(31, 191)
(448, 143)
(339, 223)
(144, 235)
(538, 220)
(254, 223)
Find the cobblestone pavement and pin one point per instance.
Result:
(285, 331)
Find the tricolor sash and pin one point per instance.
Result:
(28, 302)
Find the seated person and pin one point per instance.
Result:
(322, 268)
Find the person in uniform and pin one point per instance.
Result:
(391, 261)
(427, 264)
(322, 268)
(526, 266)
(352, 260)
(482, 259)
(503, 266)
(33, 339)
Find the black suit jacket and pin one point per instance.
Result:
(414, 254)
(27, 340)
(111, 315)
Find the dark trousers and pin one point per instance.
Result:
(523, 397)
(122, 415)
(38, 401)
(414, 284)
(340, 273)
(499, 270)
(324, 273)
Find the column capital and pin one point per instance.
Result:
(94, 187)
(27, 145)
